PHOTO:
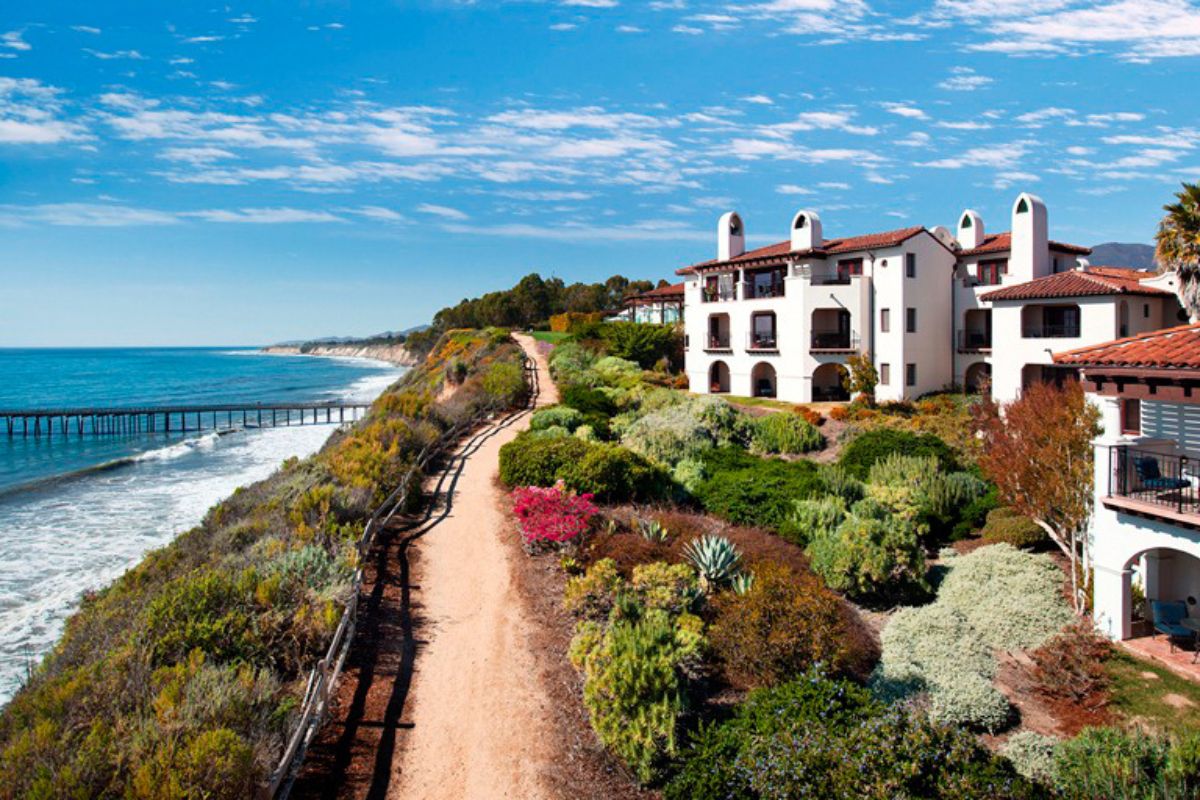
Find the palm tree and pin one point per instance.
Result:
(1179, 245)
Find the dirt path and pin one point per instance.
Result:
(480, 720)
(441, 696)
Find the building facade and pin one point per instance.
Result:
(1145, 528)
(930, 307)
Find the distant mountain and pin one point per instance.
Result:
(1117, 254)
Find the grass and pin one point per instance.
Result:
(1138, 697)
(761, 402)
(551, 336)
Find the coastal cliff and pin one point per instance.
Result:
(392, 353)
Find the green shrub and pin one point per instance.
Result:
(504, 383)
(1008, 527)
(633, 689)
(587, 400)
(615, 474)
(841, 483)
(748, 490)
(1032, 754)
(820, 738)
(592, 594)
(863, 451)
(616, 372)
(532, 461)
(208, 611)
(868, 558)
(570, 363)
(560, 416)
(642, 343)
(684, 430)
(785, 433)
(688, 474)
(665, 587)
(815, 518)
(1109, 762)
(783, 624)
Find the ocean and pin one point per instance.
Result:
(75, 513)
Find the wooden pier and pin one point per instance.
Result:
(172, 419)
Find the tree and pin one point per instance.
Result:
(1179, 245)
(862, 377)
(1038, 452)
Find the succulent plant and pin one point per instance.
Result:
(742, 583)
(652, 530)
(715, 559)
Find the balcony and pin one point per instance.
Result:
(974, 341)
(760, 342)
(718, 343)
(1067, 330)
(1154, 484)
(718, 294)
(833, 342)
(759, 291)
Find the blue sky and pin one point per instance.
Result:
(189, 173)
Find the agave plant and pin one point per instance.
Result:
(742, 583)
(715, 559)
(652, 530)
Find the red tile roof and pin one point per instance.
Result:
(1079, 283)
(1172, 348)
(781, 252)
(1002, 242)
(672, 292)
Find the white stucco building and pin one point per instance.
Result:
(931, 308)
(1146, 524)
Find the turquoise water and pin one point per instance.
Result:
(77, 512)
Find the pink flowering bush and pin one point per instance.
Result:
(550, 516)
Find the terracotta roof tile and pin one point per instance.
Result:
(1172, 348)
(1078, 283)
(1001, 242)
(781, 252)
(674, 291)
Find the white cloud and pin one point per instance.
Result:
(90, 215)
(263, 216)
(964, 79)
(132, 55)
(905, 110)
(792, 189)
(442, 211)
(13, 40)
(1002, 156)
(759, 99)
(630, 29)
(86, 29)
(31, 113)
(563, 26)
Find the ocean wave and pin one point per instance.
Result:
(180, 449)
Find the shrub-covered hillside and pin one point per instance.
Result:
(181, 679)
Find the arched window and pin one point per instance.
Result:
(763, 381)
(1023, 206)
(718, 378)
(966, 222)
(801, 221)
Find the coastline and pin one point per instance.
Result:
(395, 354)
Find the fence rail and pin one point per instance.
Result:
(322, 681)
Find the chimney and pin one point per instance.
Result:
(1030, 256)
(806, 231)
(731, 237)
(970, 230)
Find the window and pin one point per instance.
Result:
(989, 272)
(1131, 416)
(1023, 206)
(885, 374)
(910, 374)
(1054, 268)
(762, 335)
(910, 265)
(768, 283)
(910, 320)
(1145, 311)
(848, 267)
(885, 320)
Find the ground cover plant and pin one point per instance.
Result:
(181, 679)
(821, 737)
(996, 598)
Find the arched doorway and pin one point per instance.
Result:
(828, 383)
(718, 378)
(762, 380)
(978, 379)
(1162, 576)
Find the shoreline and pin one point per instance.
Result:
(394, 354)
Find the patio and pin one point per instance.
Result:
(1158, 649)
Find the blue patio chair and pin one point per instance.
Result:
(1167, 619)
(1151, 478)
